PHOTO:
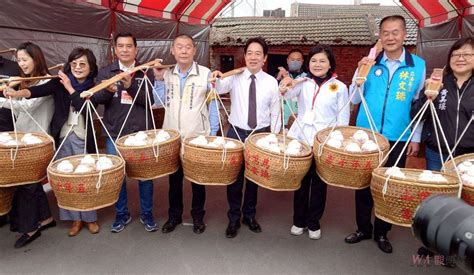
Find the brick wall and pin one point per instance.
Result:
(347, 57)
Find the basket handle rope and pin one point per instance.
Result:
(298, 124)
(463, 132)
(105, 128)
(13, 156)
(90, 115)
(435, 118)
(133, 103)
(156, 145)
(224, 150)
(286, 157)
(334, 123)
(67, 134)
(373, 126)
(417, 120)
(199, 111)
(98, 185)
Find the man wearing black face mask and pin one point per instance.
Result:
(7, 68)
(294, 62)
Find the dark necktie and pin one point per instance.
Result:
(252, 115)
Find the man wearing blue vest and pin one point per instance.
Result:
(392, 84)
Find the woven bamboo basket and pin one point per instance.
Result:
(403, 196)
(206, 166)
(6, 199)
(345, 169)
(467, 190)
(266, 168)
(30, 163)
(143, 163)
(79, 192)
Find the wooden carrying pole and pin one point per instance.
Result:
(434, 84)
(11, 50)
(20, 79)
(229, 73)
(59, 66)
(14, 81)
(364, 69)
(118, 77)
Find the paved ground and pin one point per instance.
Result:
(135, 251)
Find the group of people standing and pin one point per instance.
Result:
(393, 91)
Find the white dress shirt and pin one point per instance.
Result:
(268, 99)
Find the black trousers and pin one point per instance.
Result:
(234, 190)
(310, 200)
(175, 197)
(365, 203)
(30, 207)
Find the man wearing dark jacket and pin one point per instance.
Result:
(7, 68)
(117, 100)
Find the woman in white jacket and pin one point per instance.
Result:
(30, 214)
(321, 103)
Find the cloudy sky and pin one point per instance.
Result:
(245, 7)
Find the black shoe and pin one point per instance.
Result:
(252, 224)
(26, 239)
(232, 230)
(384, 244)
(357, 237)
(49, 225)
(3, 220)
(198, 226)
(169, 226)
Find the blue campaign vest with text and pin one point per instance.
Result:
(390, 105)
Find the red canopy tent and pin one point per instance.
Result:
(441, 23)
(189, 11)
(60, 26)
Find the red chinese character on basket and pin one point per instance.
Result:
(423, 195)
(256, 159)
(81, 188)
(407, 214)
(329, 159)
(355, 164)
(59, 186)
(264, 174)
(368, 165)
(247, 165)
(341, 163)
(406, 196)
(468, 198)
(142, 156)
(266, 163)
(254, 170)
(247, 155)
(131, 157)
(233, 161)
(68, 187)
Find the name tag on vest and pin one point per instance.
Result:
(126, 98)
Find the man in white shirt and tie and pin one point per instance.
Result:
(255, 107)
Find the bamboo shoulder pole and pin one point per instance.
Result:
(229, 73)
(118, 77)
